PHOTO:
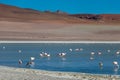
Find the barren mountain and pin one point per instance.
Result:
(13, 13)
(20, 14)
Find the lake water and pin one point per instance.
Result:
(78, 56)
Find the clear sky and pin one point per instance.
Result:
(69, 6)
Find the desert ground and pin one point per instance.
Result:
(7, 73)
(60, 31)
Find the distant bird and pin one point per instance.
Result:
(70, 49)
(91, 58)
(19, 51)
(118, 52)
(92, 53)
(62, 54)
(116, 65)
(28, 64)
(108, 50)
(32, 58)
(81, 49)
(31, 62)
(77, 49)
(48, 55)
(44, 54)
(115, 62)
(41, 55)
(20, 61)
(99, 53)
(101, 65)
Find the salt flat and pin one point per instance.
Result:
(55, 31)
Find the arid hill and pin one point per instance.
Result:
(20, 14)
(13, 13)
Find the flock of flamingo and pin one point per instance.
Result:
(115, 63)
(44, 54)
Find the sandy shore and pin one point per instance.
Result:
(49, 31)
(8, 73)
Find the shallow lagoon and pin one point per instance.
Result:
(74, 61)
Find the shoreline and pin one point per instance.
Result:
(11, 73)
(59, 41)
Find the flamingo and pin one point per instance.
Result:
(100, 65)
(99, 53)
(41, 55)
(19, 51)
(115, 62)
(91, 58)
(32, 58)
(108, 50)
(44, 54)
(48, 55)
(76, 49)
(92, 53)
(20, 61)
(31, 62)
(116, 65)
(70, 49)
(118, 52)
(81, 49)
(62, 54)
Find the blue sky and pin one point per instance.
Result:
(70, 6)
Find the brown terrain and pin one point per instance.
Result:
(27, 24)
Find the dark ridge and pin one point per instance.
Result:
(88, 16)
